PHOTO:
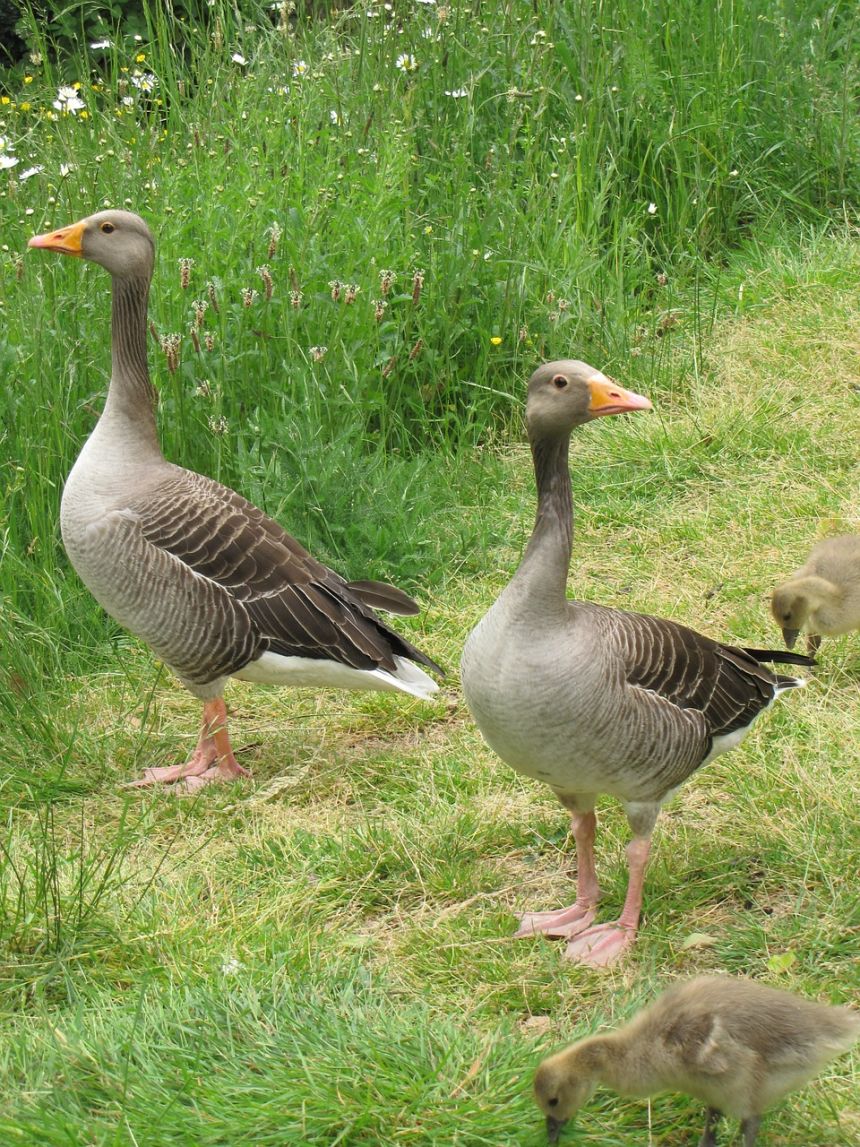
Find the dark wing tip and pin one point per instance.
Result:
(380, 595)
(780, 657)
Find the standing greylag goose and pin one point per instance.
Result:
(823, 595)
(737, 1045)
(214, 586)
(593, 700)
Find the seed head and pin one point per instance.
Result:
(171, 345)
(389, 366)
(336, 288)
(296, 299)
(416, 350)
(274, 234)
(417, 284)
(209, 341)
(317, 353)
(387, 279)
(379, 308)
(200, 307)
(218, 425)
(195, 338)
(248, 296)
(351, 291)
(213, 298)
(185, 266)
(266, 275)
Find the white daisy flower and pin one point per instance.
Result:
(458, 93)
(652, 208)
(406, 62)
(68, 101)
(145, 81)
(30, 172)
(238, 58)
(300, 68)
(7, 161)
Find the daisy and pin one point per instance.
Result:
(68, 101)
(406, 62)
(238, 58)
(300, 68)
(144, 81)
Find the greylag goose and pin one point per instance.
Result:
(823, 595)
(215, 587)
(593, 700)
(737, 1045)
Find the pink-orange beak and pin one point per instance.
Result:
(68, 240)
(607, 397)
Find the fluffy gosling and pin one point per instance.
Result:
(737, 1045)
(823, 596)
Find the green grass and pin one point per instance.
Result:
(322, 955)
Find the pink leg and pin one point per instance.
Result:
(212, 760)
(568, 922)
(604, 944)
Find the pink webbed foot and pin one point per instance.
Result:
(223, 771)
(559, 925)
(198, 764)
(212, 760)
(601, 946)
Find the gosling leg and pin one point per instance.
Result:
(709, 1135)
(749, 1128)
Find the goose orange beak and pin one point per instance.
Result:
(68, 240)
(607, 397)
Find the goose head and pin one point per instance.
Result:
(560, 1091)
(567, 393)
(117, 240)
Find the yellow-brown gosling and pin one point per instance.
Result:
(823, 596)
(737, 1045)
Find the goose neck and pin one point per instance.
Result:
(131, 396)
(546, 561)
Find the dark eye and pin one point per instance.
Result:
(107, 228)
(554, 1101)
(559, 381)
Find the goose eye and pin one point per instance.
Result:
(554, 1101)
(559, 381)
(107, 228)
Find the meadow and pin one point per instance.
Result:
(389, 215)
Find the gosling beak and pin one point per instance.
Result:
(68, 240)
(790, 636)
(607, 397)
(553, 1128)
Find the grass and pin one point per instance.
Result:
(322, 955)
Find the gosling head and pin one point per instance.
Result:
(560, 1090)
(790, 609)
(116, 240)
(566, 393)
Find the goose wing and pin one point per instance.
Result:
(729, 686)
(298, 606)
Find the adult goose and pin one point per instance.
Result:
(593, 700)
(215, 587)
(737, 1045)
(823, 596)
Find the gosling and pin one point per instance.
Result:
(823, 595)
(737, 1045)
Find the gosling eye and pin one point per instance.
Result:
(554, 1101)
(107, 228)
(560, 382)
